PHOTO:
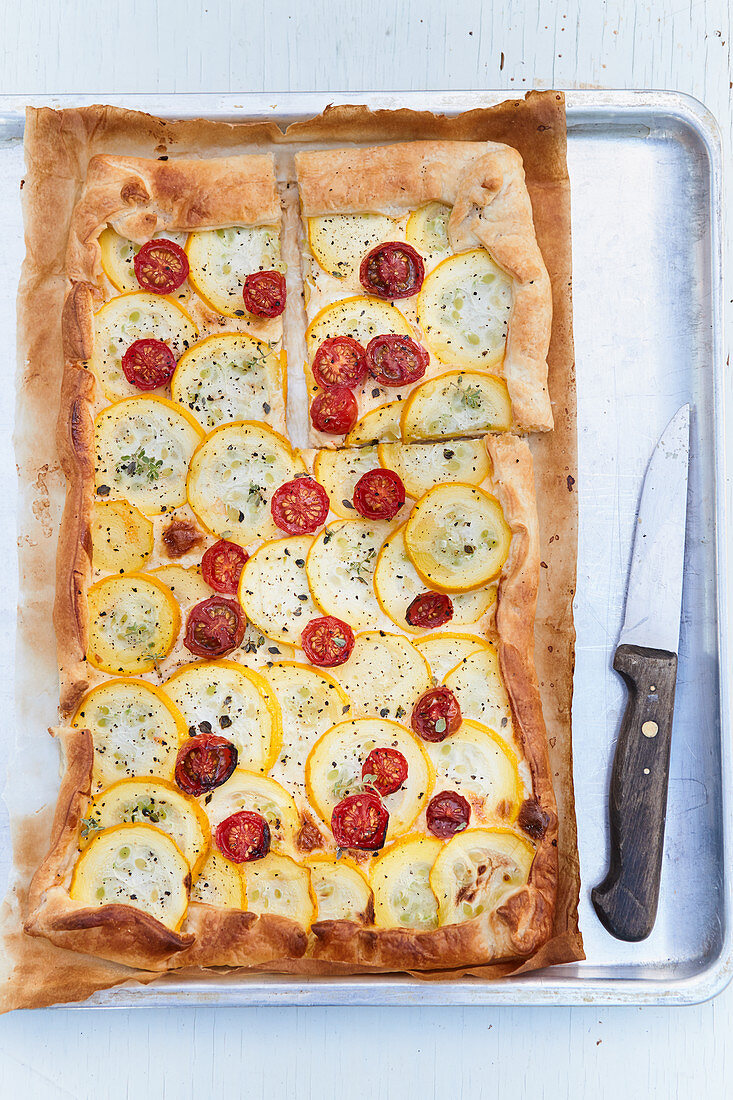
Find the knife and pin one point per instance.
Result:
(646, 657)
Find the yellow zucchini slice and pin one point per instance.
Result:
(477, 684)
(459, 403)
(118, 256)
(444, 651)
(143, 446)
(340, 567)
(427, 229)
(231, 376)
(400, 877)
(311, 702)
(224, 698)
(464, 308)
(274, 591)
(185, 582)
(340, 242)
(423, 465)
(156, 802)
(384, 676)
(481, 767)
(457, 537)
(136, 865)
(135, 727)
(380, 423)
(247, 791)
(220, 259)
(279, 886)
(333, 769)
(133, 623)
(397, 583)
(360, 317)
(122, 537)
(338, 473)
(232, 477)
(130, 317)
(219, 883)
(341, 890)
(476, 872)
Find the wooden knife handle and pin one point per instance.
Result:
(626, 900)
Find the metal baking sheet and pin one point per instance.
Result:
(646, 192)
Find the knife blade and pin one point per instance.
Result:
(646, 657)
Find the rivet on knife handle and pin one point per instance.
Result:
(626, 900)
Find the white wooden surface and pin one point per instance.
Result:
(230, 45)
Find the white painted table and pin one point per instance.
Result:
(229, 45)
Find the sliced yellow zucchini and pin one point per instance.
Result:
(185, 582)
(130, 317)
(427, 229)
(457, 538)
(384, 676)
(258, 651)
(380, 423)
(231, 376)
(220, 259)
(219, 883)
(459, 403)
(247, 791)
(232, 477)
(340, 567)
(340, 242)
(135, 727)
(341, 890)
(397, 583)
(224, 698)
(133, 623)
(274, 591)
(444, 651)
(480, 766)
(476, 872)
(464, 308)
(279, 886)
(360, 317)
(143, 446)
(118, 256)
(477, 684)
(400, 877)
(338, 473)
(333, 769)
(122, 537)
(423, 465)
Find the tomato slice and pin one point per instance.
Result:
(148, 364)
(436, 714)
(360, 821)
(327, 641)
(335, 411)
(340, 361)
(214, 627)
(161, 266)
(265, 293)
(396, 360)
(448, 813)
(385, 770)
(243, 837)
(222, 565)
(430, 610)
(300, 506)
(204, 762)
(392, 270)
(379, 494)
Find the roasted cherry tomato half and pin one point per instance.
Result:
(334, 411)
(214, 627)
(243, 837)
(222, 565)
(379, 494)
(204, 762)
(161, 266)
(392, 270)
(327, 641)
(395, 360)
(300, 506)
(385, 770)
(360, 821)
(148, 364)
(448, 813)
(436, 714)
(430, 610)
(340, 361)
(264, 293)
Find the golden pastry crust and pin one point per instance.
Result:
(484, 183)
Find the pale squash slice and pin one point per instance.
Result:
(423, 465)
(380, 423)
(279, 886)
(133, 623)
(400, 877)
(384, 676)
(480, 766)
(220, 260)
(219, 883)
(338, 473)
(427, 229)
(274, 590)
(478, 686)
(476, 872)
(446, 650)
(248, 791)
(122, 537)
(118, 256)
(459, 403)
(359, 317)
(340, 567)
(341, 889)
(340, 242)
